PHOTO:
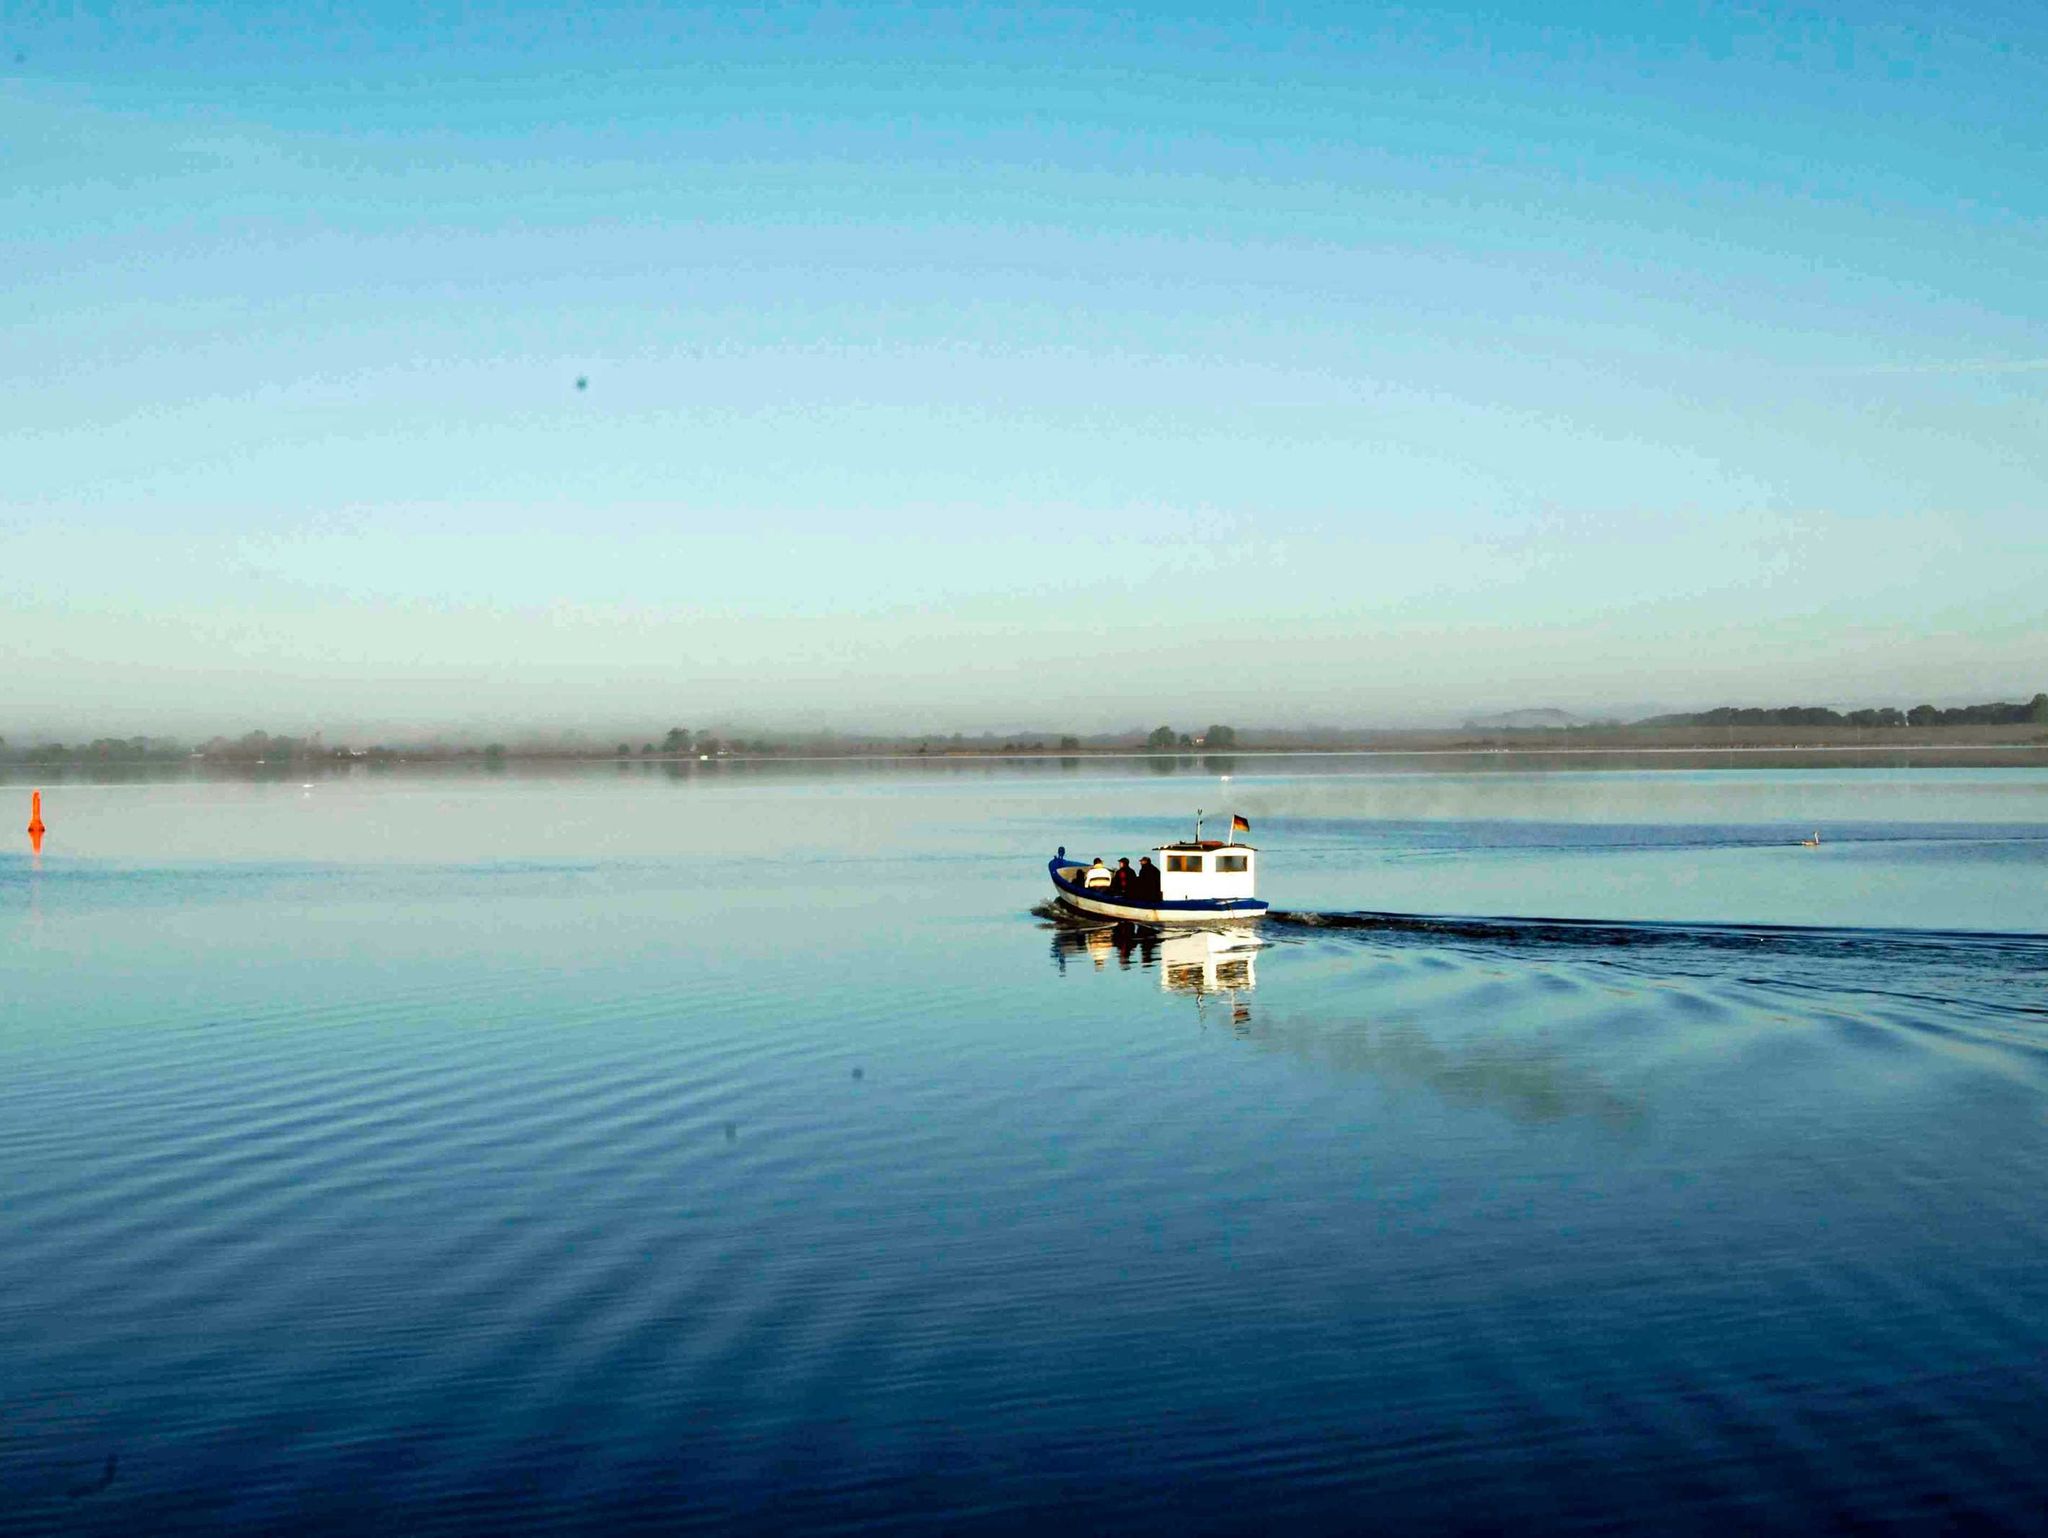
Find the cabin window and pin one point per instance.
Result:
(1183, 862)
(1237, 863)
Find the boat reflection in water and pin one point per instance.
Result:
(1219, 963)
(1477, 1058)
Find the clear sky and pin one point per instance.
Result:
(976, 366)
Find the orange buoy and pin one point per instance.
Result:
(35, 811)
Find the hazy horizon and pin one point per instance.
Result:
(963, 368)
(476, 730)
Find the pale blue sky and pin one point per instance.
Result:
(992, 366)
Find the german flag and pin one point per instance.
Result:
(1238, 825)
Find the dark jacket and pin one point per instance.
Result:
(1148, 882)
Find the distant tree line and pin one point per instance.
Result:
(275, 751)
(253, 747)
(261, 747)
(681, 742)
(1164, 739)
(101, 750)
(2000, 713)
(278, 748)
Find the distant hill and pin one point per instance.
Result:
(1525, 720)
(1995, 713)
(1782, 715)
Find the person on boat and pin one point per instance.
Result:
(1123, 881)
(1097, 876)
(1147, 881)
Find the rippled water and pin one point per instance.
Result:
(738, 1148)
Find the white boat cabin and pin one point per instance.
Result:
(1205, 868)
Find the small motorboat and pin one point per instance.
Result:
(1202, 880)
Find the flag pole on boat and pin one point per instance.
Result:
(1198, 825)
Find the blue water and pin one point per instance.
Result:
(737, 1148)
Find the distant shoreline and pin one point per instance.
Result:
(263, 751)
(1668, 757)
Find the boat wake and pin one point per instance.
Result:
(1509, 929)
(2000, 972)
(2003, 973)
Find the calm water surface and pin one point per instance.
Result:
(735, 1147)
